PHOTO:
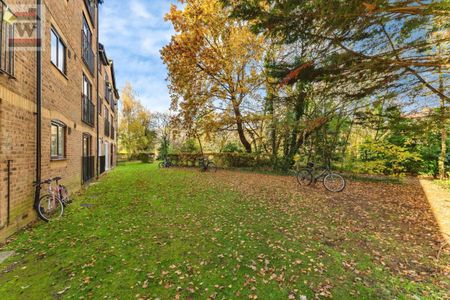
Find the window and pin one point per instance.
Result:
(87, 140)
(88, 108)
(58, 52)
(90, 4)
(107, 89)
(88, 161)
(6, 40)
(58, 140)
(87, 87)
(107, 124)
(87, 33)
(99, 105)
(87, 53)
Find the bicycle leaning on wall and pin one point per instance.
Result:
(51, 205)
(207, 165)
(165, 164)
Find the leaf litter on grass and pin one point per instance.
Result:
(231, 235)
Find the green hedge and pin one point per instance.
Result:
(145, 157)
(223, 160)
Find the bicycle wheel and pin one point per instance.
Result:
(64, 195)
(334, 183)
(211, 167)
(304, 177)
(50, 209)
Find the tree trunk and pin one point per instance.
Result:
(272, 130)
(443, 155)
(240, 129)
(293, 144)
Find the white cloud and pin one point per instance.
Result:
(138, 9)
(133, 32)
(151, 44)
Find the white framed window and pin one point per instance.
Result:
(58, 140)
(58, 51)
(6, 40)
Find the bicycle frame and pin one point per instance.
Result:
(322, 175)
(51, 191)
(203, 163)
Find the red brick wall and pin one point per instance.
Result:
(61, 100)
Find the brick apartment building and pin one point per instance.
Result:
(58, 106)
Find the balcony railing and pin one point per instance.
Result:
(107, 92)
(87, 53)
(88, 166)
(90, 5)
(88, 111)
(112, 103)
(102, 164)
(107, 127)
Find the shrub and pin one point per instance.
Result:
(243, 160)
(223, 160)
(146, 157)
(190, 146)
(232, 148)
(382, 157)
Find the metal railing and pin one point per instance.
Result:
(88, 166)
(87, 53)
(88, 111)
(107, 127)
(112, 103)
(107, 91)
(6, 44)
(102, 160)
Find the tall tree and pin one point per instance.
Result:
(214, 66)
(135, 134)
(395, 39)
(162, 126)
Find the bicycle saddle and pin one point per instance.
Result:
(57, 179)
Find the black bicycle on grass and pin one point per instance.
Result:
(166, 163)
(207, 165)
(311, 174)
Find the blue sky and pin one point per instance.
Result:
(133, 32)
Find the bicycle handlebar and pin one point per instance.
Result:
(48, 181)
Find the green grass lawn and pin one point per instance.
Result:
(174, 234)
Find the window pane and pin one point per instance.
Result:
(86, 87)
(54, 50)
(61, 56)
(61, 142)
(87, 32)
(54, 141)
(86, 146)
